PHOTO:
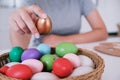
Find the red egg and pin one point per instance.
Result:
(62, 67)
(19, 71)
(4, 69)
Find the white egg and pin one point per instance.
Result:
(44, 76)
(11, 64)
(81, 71)
(86, 61)
(73, 58)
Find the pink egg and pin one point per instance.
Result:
(73, 58)
(35, 65)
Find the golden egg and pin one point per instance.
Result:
(44, 25)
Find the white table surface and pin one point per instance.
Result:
(112, 63)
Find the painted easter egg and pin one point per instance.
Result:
(4, 69)
(19, 71)
(44, 25)
(65, 48)
(15, 54)
(48, 61)
(73, 58)
(35, 65)
(62, 67)
(44, 48)
(31, 53)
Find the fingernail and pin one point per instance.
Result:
(37, 35)
(44, 15)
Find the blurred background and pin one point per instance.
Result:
(109, 10)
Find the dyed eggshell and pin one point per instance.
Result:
(44, 48)
(11, 64)
(86, 61)
(62, 67)
(81, 71)
(48, 61)
(4, 69)
(19, 71)
(65, 48)
(44, 76)
(73, 58)
(35, 65)
(44, 25)
(31, 53)
(15, 54)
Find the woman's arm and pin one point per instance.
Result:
(98, 32)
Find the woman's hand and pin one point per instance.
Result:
(52, 40)
(23, 20)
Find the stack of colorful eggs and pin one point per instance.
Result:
(41, 64)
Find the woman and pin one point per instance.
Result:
(66, 19)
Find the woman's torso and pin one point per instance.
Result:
(65, 14)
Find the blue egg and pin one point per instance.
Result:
(44, 48)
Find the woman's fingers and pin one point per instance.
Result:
(16, 27)
(34, 18)
(24, 19)
(29, 22)
(36, 10)
(21, 24)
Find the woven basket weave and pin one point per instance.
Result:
(94, 75)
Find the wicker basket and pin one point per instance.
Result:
(94, 75)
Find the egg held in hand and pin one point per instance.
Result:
(62, 67)
(44, 25)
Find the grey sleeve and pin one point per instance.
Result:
(87, 7)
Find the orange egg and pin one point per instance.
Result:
(44, 25)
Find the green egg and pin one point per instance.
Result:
(65, 48)
(48, 60)
(15, 54)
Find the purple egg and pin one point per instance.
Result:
(31, 53)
